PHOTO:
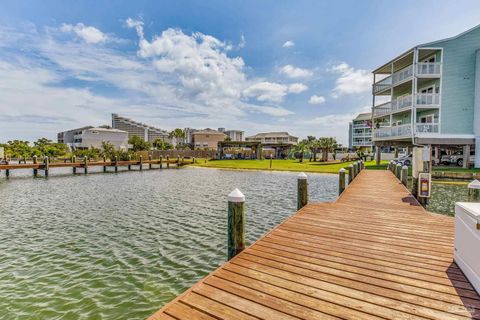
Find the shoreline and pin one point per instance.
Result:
(257, 169)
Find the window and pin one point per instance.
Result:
(427, 118)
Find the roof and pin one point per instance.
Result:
(363, 116)
(271, 134)
(207, 131)
(133, 122)
(106, 129)
(425, 45)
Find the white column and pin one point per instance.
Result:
(476, 118)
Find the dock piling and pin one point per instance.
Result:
(7, 171)
(104, 161)
(474, 191)
(45, 165)
(302, 190)
(129, 165)
(404, 175)
(35, 170)
(161, 165)
(398, 170)
(73, 160)
(341, 181)
(149, 161)
(351, 173)
(141, 163)
(115, 161)
(168, 161)
(85, 164)
(236, 223)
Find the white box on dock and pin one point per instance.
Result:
(467, 241)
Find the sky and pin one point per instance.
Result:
(297, 66)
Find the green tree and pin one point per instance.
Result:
(302, 147)
(161, 144)
(327, 144)
(108, 150)
(138, 144)
(17, 149)
(178, 135)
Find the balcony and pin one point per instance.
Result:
(361, 125)
(404, 130)
(427, 100)
(426, 127)
(366, 143)
(402, 75)
(397, 105)
(430, 69)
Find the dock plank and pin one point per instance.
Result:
(373, 253)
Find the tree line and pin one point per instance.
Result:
(312, 145)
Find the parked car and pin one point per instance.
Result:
(405, 160)
(457, 158)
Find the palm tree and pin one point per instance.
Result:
(178, 135)
(327, 144)
(302, 147)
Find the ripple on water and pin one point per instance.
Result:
(118, 246)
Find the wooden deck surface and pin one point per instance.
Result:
(372, 254)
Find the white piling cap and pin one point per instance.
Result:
(342, 170)
(405, 167)
(302, 176)
(475, 184)
(350, 165)
(236, 196)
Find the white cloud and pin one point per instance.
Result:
(288, 44)
(88, 33)
(316, 99)
(351, 80)
(294, 72)
(266, 91)
(297, 88)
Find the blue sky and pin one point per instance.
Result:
(297, 66)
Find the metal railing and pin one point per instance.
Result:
(396, 131)
(429, 68)
(384, 108)
(401, 103)
(402, 75)
(428, 99)
(382, 84)
(426, 127)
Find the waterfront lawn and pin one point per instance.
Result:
(284, 165)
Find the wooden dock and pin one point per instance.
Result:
(375, 253)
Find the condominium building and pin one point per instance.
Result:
(88, 137)
(134, 128)
(235, 135)
(207, 139)
(432, 93)
(273, 138)
(360, 131)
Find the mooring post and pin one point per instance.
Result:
(104, 164)
(193, 160)
(474, 191)
(7, 171)
(35, 170)
(141, 163)
(271, 161)
(355, 168)
(161, 165)
(149, 161)
(45, 165)
(168, 161)
(129, 165)
(73, 160)
(351, 173)
(302, 190)
(115, 161)
(341, 181)
(404, 175)
(178, 162)
(85, 164)
(398, 169)
(236, 223)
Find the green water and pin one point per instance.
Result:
(119, 246)
(444, 196)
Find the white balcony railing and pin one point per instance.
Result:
(362, 143)
(402, 75)
(428, 99)
(361, 125)
(382, 84)
(396, 131)
(382, 109)
(426, 127)
(401, 103)
(429, 68)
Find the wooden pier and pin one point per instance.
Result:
(375, 253)
(84, 164)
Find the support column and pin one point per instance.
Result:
(466, 156)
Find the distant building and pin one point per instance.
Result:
(2, 153)
(188, 135)
(235, 135)
(274, 138)
(87, 137)
(134, 128)
(207, 139)
(360, 134)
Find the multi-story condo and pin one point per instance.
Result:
(207, 139)
(432, 93)
(88, 137)
(134, 128)
(235, 135)
(273, 138)
(360, 131)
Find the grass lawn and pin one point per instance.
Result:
(283, 165)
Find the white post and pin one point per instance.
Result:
(474, 191)
(302, 190)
